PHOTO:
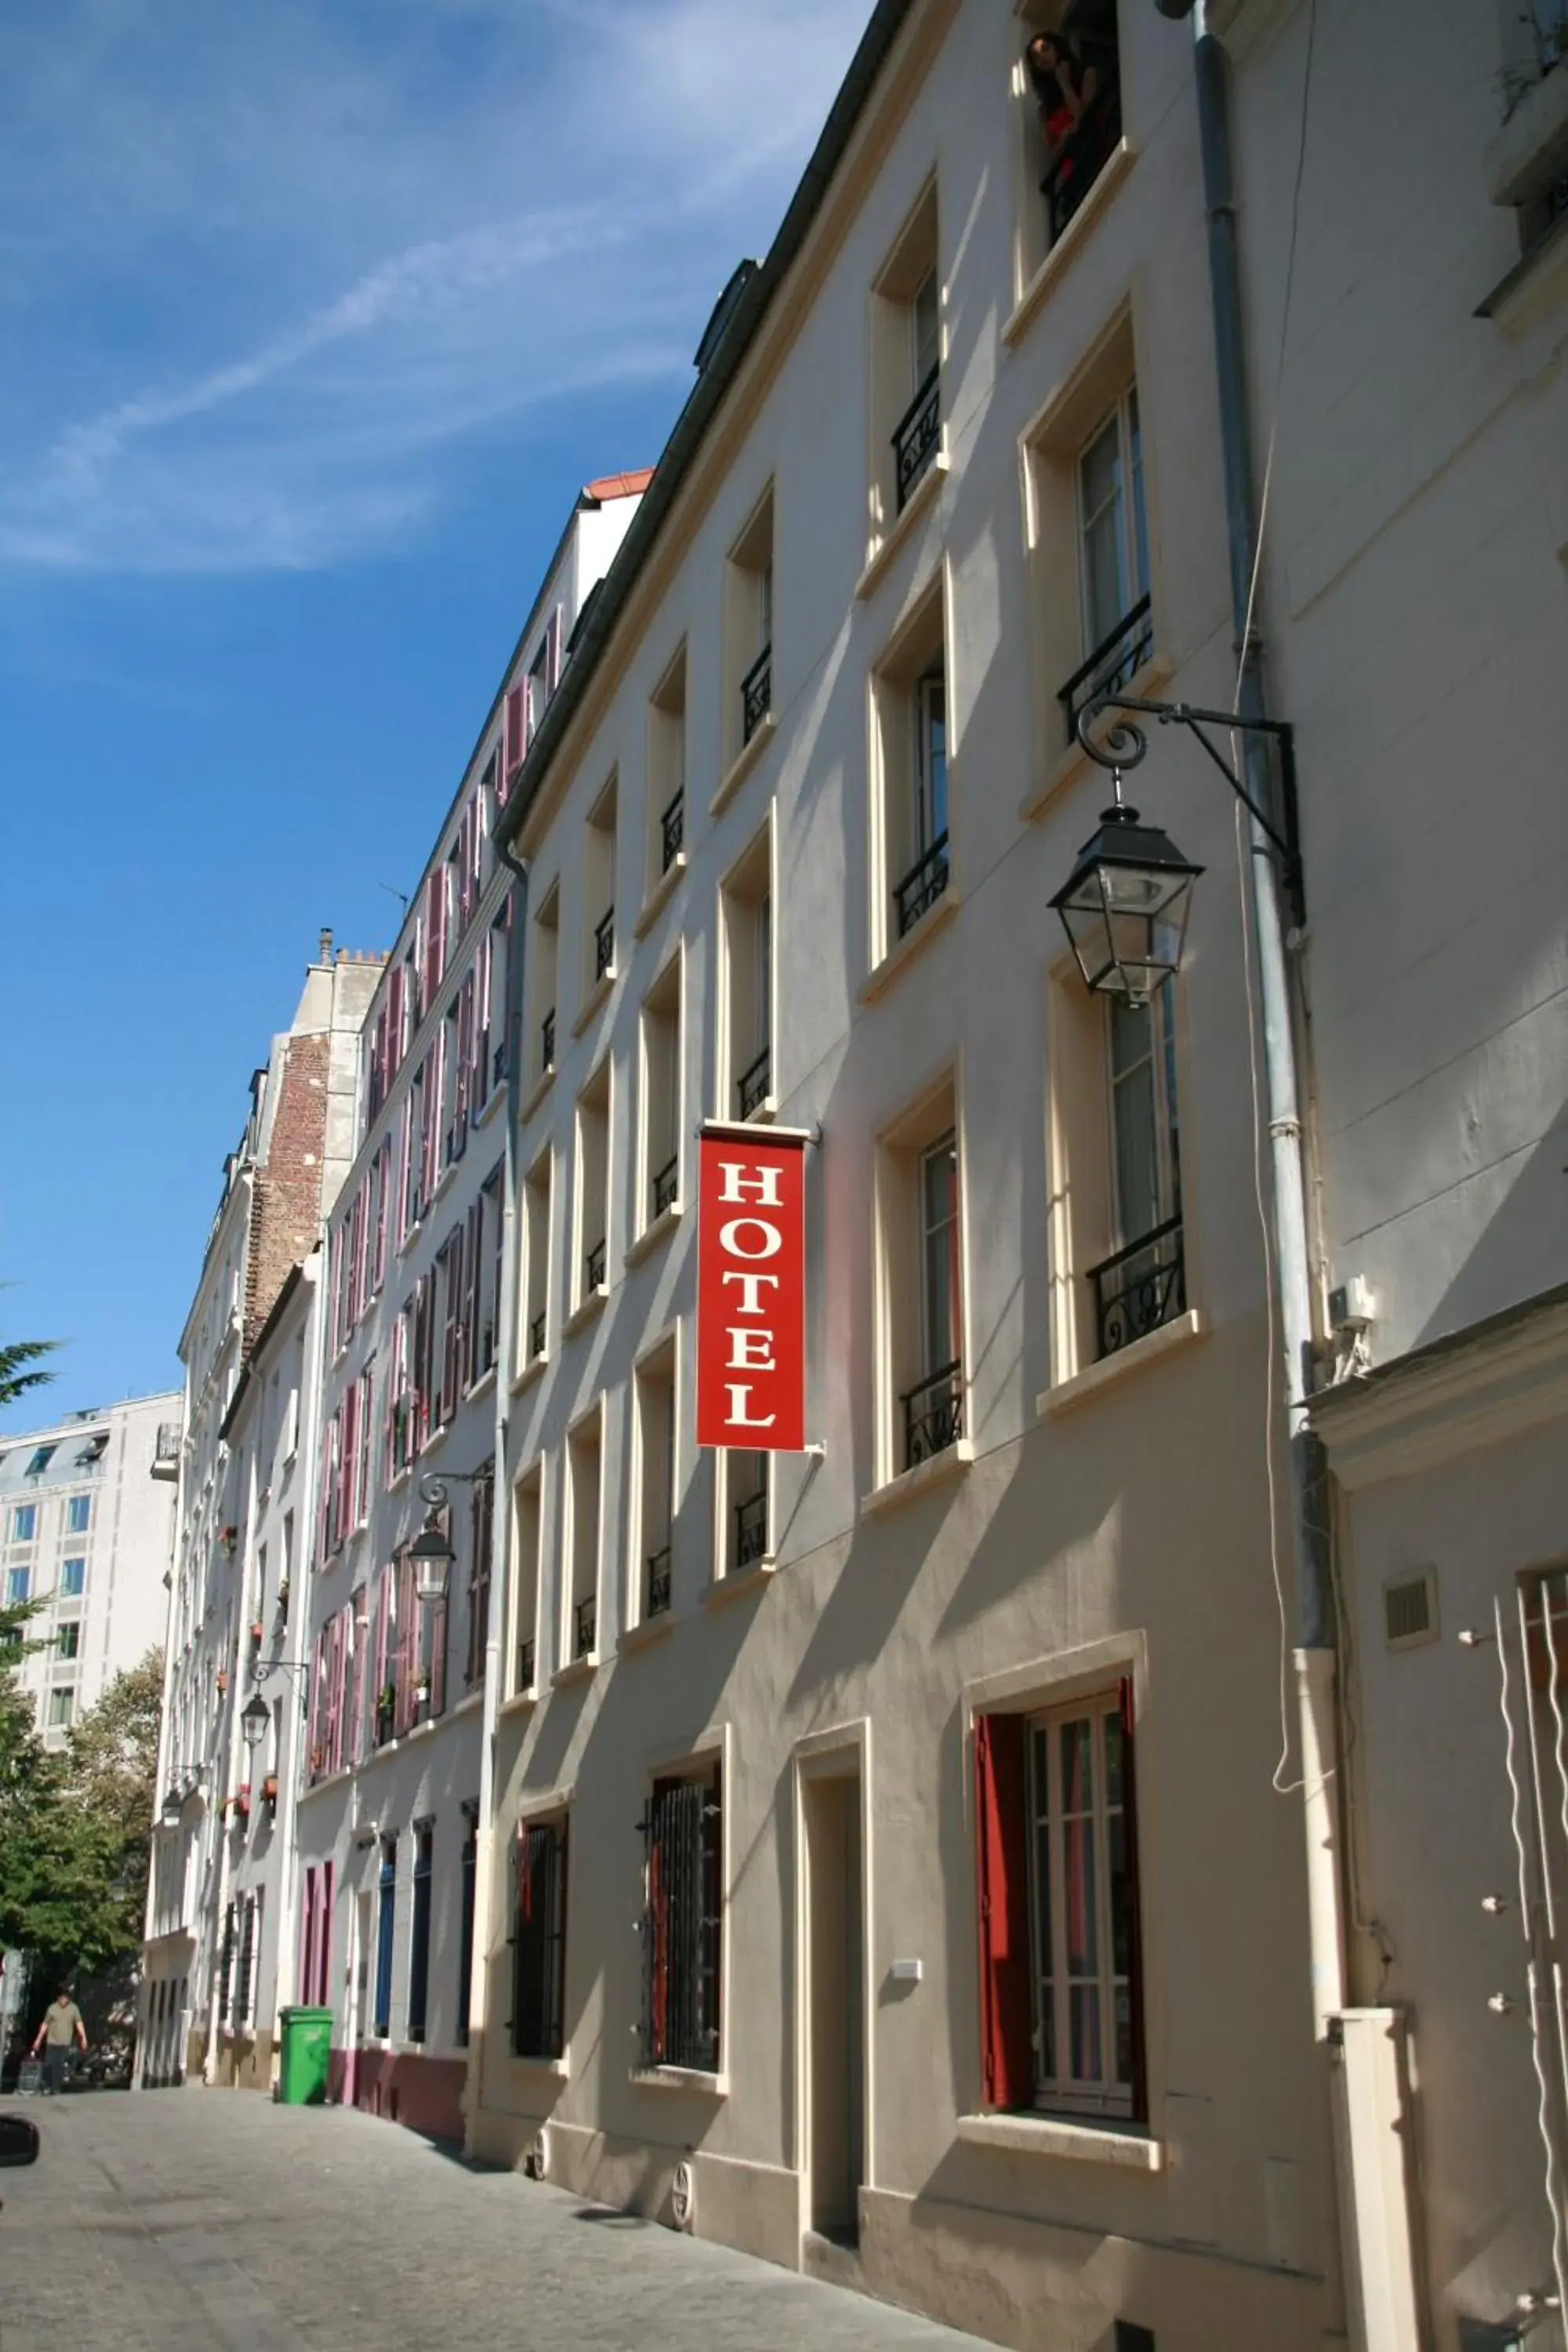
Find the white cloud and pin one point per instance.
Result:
(294, 262)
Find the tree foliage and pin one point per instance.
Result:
(21, 1366)
(76, 1825)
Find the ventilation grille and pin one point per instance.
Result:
(1410, 1610)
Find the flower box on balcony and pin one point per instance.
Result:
(269, 1788)
(221, 1678)
(256, 1631)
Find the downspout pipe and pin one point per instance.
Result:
(501, 1516)
(1279, 1003)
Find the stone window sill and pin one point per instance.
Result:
(532, 1371)
(488, 1107)
(559, 2069)
(646, 1631)
(951, 1463)
(740, 1582)
(541, 1086)
(596, 996)
(649, 1240)
(584, 1313)
(1109, 1370)
(1129, 2150)
(575, 1670)
(741, 766)
(1113, 172)
(520, 1703)
(482, 1387)
(681, 2078)
(903, 951)
(659, 895)
(921, 503)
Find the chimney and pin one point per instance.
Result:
(326, 954)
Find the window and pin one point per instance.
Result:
(484, 1264)
(529, 1507)
(419, 1935)
(539, 1942)
(68, 1641)
(481, 1525)
(73, 1578)
(749, 630)
(910, 851)
(1061, 2006)
(1141, 1286)
(449, 1270)
(62, 1709)
(747, 1031)
(249, 1923)
(906, 367)
(599, 890)
(18, 1586)
(592, 1183)
(682, 1922)
(744, 1532)
(94, 1450)
(658, 1186)
(1113, 556)
(667, 773)
(39, 1460)
(584, 1501)
(544, 671)
(541, 980)
(24, 1522)
(536, 1260)
(470, 1867)
(656, 1427)
(1531, 177)
(386, 1913)
(1070, 108)
(489, 1017)
(920, 1281)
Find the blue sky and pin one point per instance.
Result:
(317, 314)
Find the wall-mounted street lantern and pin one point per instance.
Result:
(255, 1720)
(431, 1550)
(1125, 904)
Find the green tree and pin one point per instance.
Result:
(21, 1368)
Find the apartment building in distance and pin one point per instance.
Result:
(886, 1871)
(393, 1768)
(278, 1183)
(86, 1533)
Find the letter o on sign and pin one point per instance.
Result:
(772, 1240)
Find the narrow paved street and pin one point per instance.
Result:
(213, 2221)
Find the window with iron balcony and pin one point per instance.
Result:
(1069, 93)
(539, 983)
(747, 1032)
(536, 1192)
(911, 841)
(599, 888)
(659, 1122)
(906, 366)
(919, 1285)
(748, 631)
(655, 1427)
(593, 1171)
(539, 1941)
(528, 1525)
(585, 1506)
(666, 789)
(682, 1922)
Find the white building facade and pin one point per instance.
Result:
(392, 1760)
(297, 1142)
(763, 1728)
(85, 1530)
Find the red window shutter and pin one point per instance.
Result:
(324, 1958)
(1006, 2049)
(308, 1938)
(1135, 1918)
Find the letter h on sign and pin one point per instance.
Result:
(751, 1290)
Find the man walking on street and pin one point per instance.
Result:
(62, 2025)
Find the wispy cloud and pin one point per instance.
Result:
(312, 262)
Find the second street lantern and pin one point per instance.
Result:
(1125, 906)
(751, 1289)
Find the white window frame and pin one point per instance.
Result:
(1055, 2093)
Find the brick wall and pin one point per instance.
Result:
(288, 1204)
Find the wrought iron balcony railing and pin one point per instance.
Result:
(603, 943)
(658, 1582)
(584, 1625)
(752, 1086)
(752, 1529)
(916, 434)
(525, 1663)
(593, 1267)
(1113, 664)
(933, 1413)
(756, 693)
(666, 1184)
(1077, 160)
(672, 831)
(547, 1042)
(922, 886)
(536, 1335)
(1139, 1288)
(498, 1063)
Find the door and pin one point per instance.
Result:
(835, 2003)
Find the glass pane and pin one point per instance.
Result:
(1139, 527)
(1105, 595)
(1123, 2006)
(932, 814)
(925, 330)
(1083, 2005)
(765, 971)
(1129, 1037)
(1078, 1766)
(1120, 1898)
(1112, 1759)
(1041, 1774)
(1079, 1895)
(1137, 1156)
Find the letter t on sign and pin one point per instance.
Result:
(751, 1289)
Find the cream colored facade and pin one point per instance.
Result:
(1104, 1518)
(1414, 605)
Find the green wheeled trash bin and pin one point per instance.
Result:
(305, 2057)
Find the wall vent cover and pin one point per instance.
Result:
(1410, 1609)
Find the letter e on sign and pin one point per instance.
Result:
(751, 1289)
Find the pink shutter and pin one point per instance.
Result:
(515, 716)
(324, 1949)
(359, 1623)
(362, 1473)
(313, 1730)
(308, 1938)
(348, 1453)
(383, 1185)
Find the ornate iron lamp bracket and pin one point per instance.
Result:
(1125, 742)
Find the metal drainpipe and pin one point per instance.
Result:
(1314, 1655)
(500, 1518)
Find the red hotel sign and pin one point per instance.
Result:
(751, 1289)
